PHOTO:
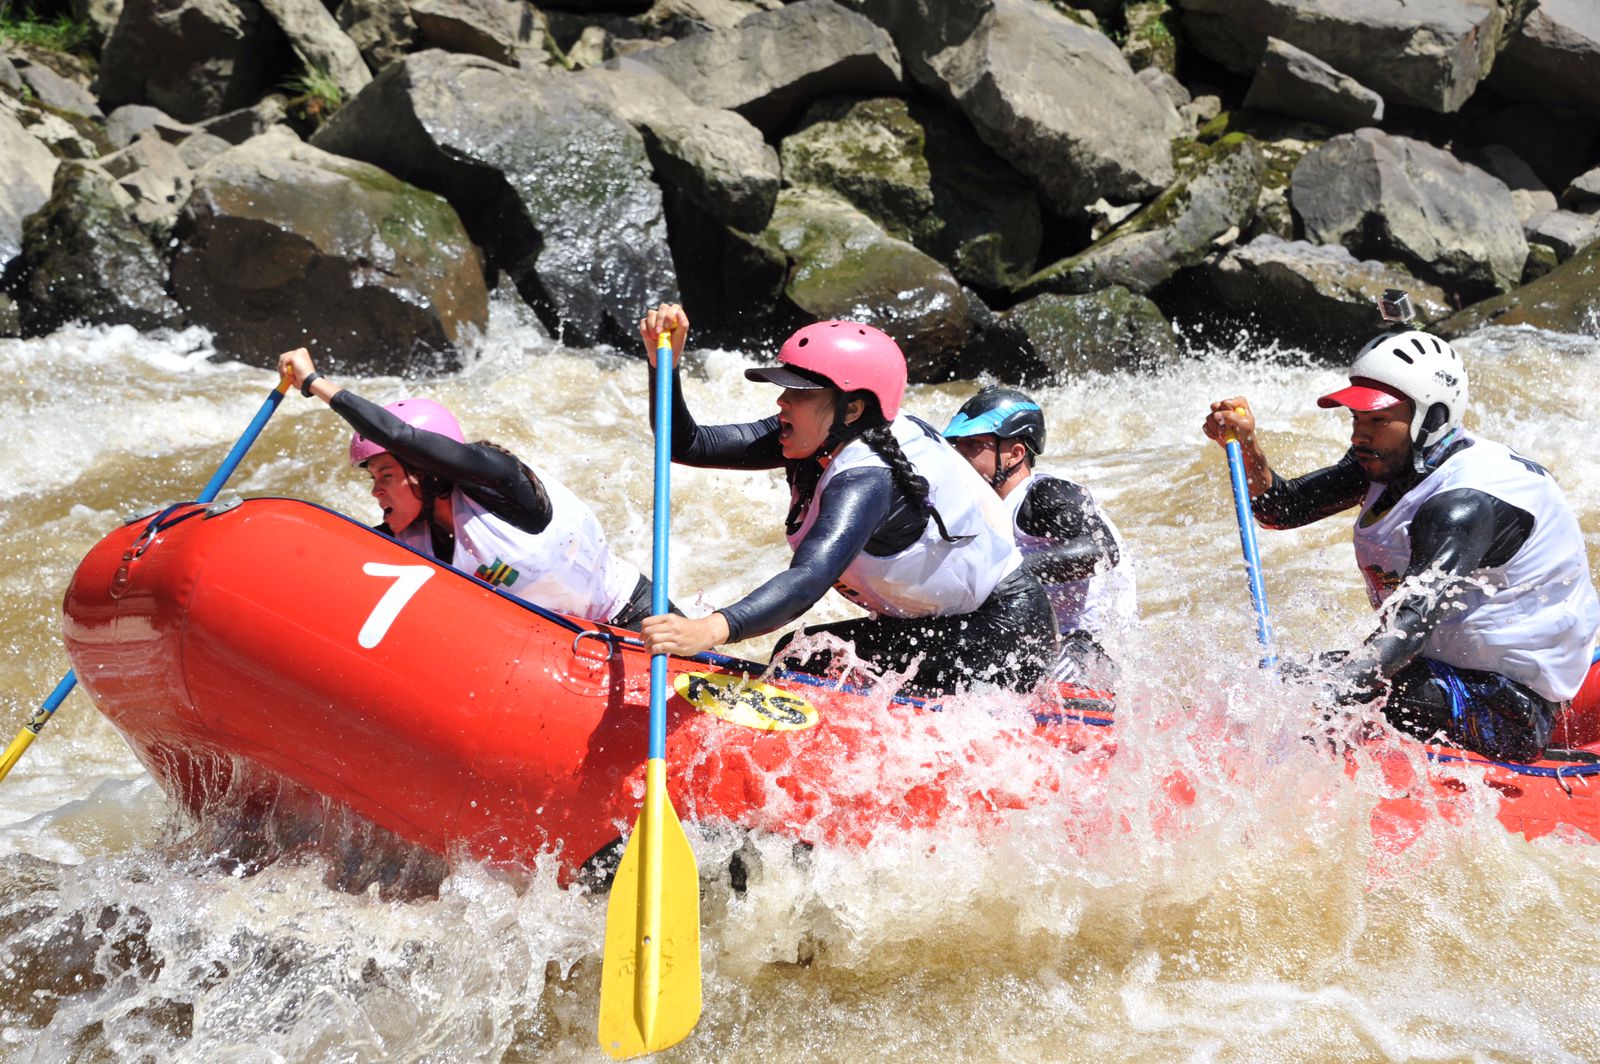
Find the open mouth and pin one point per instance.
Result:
(785, 429)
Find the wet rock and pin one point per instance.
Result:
(554, 187)
(710, 155)
(129, 120)
(319, 43)
(10, 317)
(773, 64)
(1216, 193)
(1423, 53)
(1386, 197)
(382, 29)
(1567, 299)
(87, 259)
(1554, 55)
(732, 281)
(844, 266)
(1310, 293)
(922, 176)
(1109, 331)
(284, 244)
(192, 58)
(1297, 83)
(1053, 97)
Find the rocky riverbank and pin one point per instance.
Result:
(1008, 186)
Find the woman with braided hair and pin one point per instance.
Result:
(881, 508)
(478, 506)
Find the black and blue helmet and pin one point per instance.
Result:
(1003, 412)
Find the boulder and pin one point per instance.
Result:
(1280, 155)
(382, 30)
(156, 179)
(732, 281)
(844, 266)
(1429, 54)
(1529, 195)
(55, 91)
(1214, 197)
(285, 244)
(192, 58)
(10, 78)
(129, 120)
(773, 64)
(712, 156)
(554, 187)
(1387, 197)
(1567, 299)
(1297, 83)
(1311, 293)
(247, 123)
(1554, 55)
(25, 183)
(1051, 96)
(64, 134)
(86, 259)
(921, 175)
(1584, 190)
(320, 44)
(1109, 331)
(505, 31)
(1564, 232)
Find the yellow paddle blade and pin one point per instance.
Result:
(14, 752)
(650, 979)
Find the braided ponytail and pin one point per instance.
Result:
(905, 476)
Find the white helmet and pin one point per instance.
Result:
(1410, 365)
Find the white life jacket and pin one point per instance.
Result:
(1532, 620)
(567, 568)
(1107, 598)
(930, 578)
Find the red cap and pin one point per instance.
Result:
(1364, 394)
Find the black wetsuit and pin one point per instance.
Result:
(1452, 534)
(494, 479)
(1080, 544)
(1009, 639)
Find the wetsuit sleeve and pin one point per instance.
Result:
(853, 505)
(497, 480)
(1065, 513)
(751, 445)
(1319, 494)
(1452, 534)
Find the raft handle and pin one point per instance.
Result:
(597, 633)
(231, 502)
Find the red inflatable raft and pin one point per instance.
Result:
(248, 643)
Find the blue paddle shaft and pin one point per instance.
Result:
(36, 722)
(1252, 557)
(658, 554)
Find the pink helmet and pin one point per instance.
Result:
(849, 355)
(422, 414)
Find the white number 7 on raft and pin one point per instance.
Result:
(407, 580)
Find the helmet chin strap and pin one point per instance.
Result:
(1002, 473)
